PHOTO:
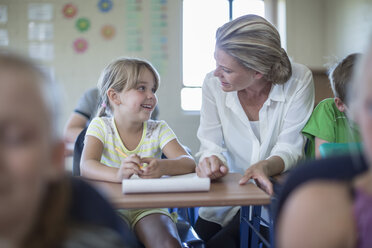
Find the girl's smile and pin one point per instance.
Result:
(138, 103)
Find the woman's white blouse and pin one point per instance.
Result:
(225, 130)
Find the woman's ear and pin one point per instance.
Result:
(113, 96)
(258, 75)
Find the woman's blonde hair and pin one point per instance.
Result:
(255, 43)
(122, 74)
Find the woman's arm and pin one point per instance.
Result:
(317, 215)
(288, 149)
(261, 172)
(290, 141)
(178, 162)
(212, 163)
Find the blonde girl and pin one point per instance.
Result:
(122, 141)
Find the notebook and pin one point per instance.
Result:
(183, 183)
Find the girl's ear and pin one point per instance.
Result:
(113, 96)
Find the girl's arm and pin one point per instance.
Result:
(90, 165)
(178, 162)
(92, 168)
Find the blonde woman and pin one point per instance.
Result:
(255, 104)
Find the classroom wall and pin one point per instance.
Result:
(77, 72)
(314, 30)
(322, 31)
(305, 33)
(348, 26)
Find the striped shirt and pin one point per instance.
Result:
(155, 135)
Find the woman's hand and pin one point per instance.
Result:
(258, 172)
(211, 167)
(129, 166)
(153, 169)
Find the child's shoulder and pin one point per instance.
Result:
(102, 121)
(156, 124)
(327, 104)
(155, 127)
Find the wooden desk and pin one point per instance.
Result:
(223, 192)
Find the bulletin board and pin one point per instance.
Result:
(74, 40)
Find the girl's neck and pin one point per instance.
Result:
(126, 125)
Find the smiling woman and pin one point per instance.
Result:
(254, 107)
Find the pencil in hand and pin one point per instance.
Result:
(125, 156)
(122, 153)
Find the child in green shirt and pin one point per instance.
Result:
(328, 122)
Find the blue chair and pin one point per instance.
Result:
(188, 236)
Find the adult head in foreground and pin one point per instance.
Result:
(35, 196)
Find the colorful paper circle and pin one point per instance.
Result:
(105, 5)
(82, 24)
(80, 45)
(108, 31)
(69, 10)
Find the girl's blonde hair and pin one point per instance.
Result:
(255, 43)
(122, 74)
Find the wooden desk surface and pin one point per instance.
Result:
(223, 192)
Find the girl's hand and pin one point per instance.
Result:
(153, 169)
(259, 174)
(129, 166)
(211, 167)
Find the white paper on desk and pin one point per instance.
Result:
(184, 183)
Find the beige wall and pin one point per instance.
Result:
(77, 72)
(305, 33)
(320, 31)
(348, 26)
(315, 30)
